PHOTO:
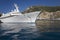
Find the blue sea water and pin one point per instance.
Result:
(25, 31)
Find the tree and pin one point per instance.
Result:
(0, 15)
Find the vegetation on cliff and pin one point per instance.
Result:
(43, 8)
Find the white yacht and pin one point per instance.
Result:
(16, 16)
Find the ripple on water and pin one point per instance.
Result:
(21, 31)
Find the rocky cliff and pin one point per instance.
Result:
(49, 15)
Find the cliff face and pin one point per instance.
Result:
(49, 15)
(44, 15)
(56, 14)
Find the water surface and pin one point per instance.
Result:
(25, 31)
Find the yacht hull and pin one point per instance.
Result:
(28, 17)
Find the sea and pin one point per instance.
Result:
(28, 31)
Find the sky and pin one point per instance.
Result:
(8, 5)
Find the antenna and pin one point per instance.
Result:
(16, 7)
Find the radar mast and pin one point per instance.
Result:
(16, 7)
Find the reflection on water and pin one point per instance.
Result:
(25, 31)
